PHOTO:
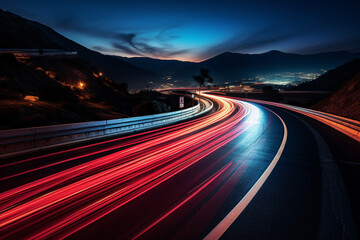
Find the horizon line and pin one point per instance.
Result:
(202, 60)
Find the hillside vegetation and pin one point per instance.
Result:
(345, 101)
(51, 90)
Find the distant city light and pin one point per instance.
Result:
(81, 85)
(287, 78)
(98, 74)
(31, 98)
(50, 74)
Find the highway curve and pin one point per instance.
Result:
(243, 171)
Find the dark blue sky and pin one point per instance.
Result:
(196, 30)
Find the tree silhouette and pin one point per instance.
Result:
(203, 78)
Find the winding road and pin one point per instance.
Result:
(242, 171)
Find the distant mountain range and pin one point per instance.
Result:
(234, 67)
(162, 67)
(20, 33)
(17, 32)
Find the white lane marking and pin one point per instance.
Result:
(220, 229)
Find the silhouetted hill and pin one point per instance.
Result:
(46, 90)
(346, 100)
(231, 67)
(333, 79)
(52, 90)
(163, 67)
(18, 32)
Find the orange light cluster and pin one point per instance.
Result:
(31, 98)
(50, 74)
(81, 85)
(98, 74)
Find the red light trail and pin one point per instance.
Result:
(60, 204)
(347, 126)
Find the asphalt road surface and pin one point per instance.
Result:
(242, 171)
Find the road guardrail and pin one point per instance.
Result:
(349, 127)
(28, 139)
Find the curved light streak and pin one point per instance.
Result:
(347, 126)
(62, 203)
(220, 229)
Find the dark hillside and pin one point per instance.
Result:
(344, 102)
(50, 90)
(20, 33)
(44, 90)
(333, 79)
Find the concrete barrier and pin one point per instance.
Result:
(16, 140)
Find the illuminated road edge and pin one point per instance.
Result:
(220, 229)
(347, 126)
(117, 171)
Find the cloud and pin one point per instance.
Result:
(130, 43)
(160, 45)
(165, 34)
(125, 49)
(127, 38)
(133, 47)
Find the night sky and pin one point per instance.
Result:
(196, 30)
